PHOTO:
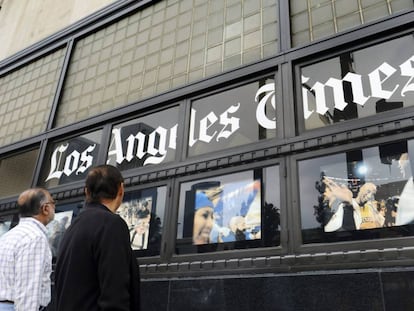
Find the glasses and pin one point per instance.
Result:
(54, 202)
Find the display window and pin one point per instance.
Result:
(235, 117)
(64, 215)
(357, 84)
(6, 223)
(233, 211)
(144, 141)
(143, 211)
(70, 160)
(16, 172)
(359, 194)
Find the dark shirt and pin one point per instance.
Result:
(96, 268)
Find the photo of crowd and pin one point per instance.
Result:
(137, 215)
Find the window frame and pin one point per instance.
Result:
(234, 253)
(327, 54)
(356, 245)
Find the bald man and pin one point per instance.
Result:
(25, 256)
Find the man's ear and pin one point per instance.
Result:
(86, 191)
(44, 210)
(121, 190)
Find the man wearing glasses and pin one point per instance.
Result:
(25, 256)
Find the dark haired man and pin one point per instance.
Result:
(96, 268)
(25, 256)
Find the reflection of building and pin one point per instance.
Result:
(130, 139)
(136, 59)
(77, 145)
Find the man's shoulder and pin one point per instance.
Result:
(99, 213)
(22, 234)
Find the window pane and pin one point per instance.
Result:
(5, 223)
(26, 97)
(16, 172)
(358, 84)
(240, 210)
(70, 160)
(162, 47)
(236, 117)
(64, 215)
(143, 211)
(144, 141)
(312, 20)
(361, 194)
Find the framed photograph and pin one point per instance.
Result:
(225, 212)
(137, 215)
(231, 211)
(359, 194)
(143, 210)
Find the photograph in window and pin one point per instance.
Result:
(358, 194)
(142, 211)
(229, 211)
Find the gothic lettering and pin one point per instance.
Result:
(75, 162)
(376, 79)
(262, 119)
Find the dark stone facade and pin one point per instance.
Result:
(390, 289)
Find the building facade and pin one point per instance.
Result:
(267, 146)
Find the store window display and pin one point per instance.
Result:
(369, 189)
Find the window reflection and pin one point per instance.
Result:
(64, 215)
(5, 223)
(56, 228)
(70, 160)
(143, 141)
(240, 210)
(358, 84)
(367, 190)
(16, 172)
(235, 117)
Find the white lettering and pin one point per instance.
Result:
(86, 159)
(55, 162)
(376, 82)
(306, 111)
(357, 89)
(205, 124)
(377, 78)
(115, 147)
(140, 138)
(152, 146)
(191, 139)
(262, 119)
(232, 122)
(74, 162)
(71, 163)
(407, 70)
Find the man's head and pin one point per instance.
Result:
(37, 203)
(366, 193)
(105, 184)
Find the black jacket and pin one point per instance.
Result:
(95, 267)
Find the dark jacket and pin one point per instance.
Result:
(96, 268)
